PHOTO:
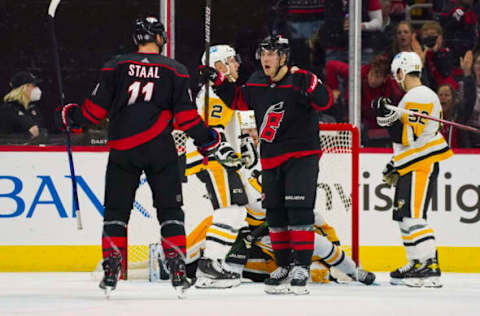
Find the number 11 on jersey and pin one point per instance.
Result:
(134, 91)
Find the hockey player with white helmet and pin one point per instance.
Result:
(418, 147)
(221, 178)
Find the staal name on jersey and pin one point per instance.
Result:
(140, 71)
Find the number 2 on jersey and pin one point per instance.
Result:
(134, 91)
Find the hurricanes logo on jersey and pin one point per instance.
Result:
(271, 122)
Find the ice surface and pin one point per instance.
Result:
(78, 294)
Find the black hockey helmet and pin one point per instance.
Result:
(276, 43)
(146, 30)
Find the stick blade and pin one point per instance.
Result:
(53, 7)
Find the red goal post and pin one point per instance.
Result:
(340, 161)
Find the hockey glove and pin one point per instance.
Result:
(227, 156)
(385, 116)
(212, 146)
(304, 82)
(248, 151)
(210, 74)
(390, 174)
(63, 118)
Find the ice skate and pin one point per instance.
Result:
(399, 276)
(277, 283)
(363, 276)
(300, 276)
(428, 275)
(178, 276)
(111, 268)
(212, 274)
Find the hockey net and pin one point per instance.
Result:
(337, 192)
(337, 197)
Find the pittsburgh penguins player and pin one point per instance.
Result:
(221, 178)
(418, 147)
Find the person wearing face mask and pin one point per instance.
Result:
(18, 113)
(438, 61)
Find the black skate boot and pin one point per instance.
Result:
(277, 283)
(300, 276)
(213, 274)
(363, 276)
(402, 274)
(178, 275)
(111, 268)
(428, 275)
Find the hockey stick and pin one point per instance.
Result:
(208, 11)
(56, 60)
(428, 117)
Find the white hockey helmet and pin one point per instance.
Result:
(219, 53)
(407, 62)
(246, 119)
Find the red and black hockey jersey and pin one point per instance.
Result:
(287, 122)
(141, 94)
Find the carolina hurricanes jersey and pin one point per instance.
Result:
(141, 94)
(287, 125)
(220, 117)
(422, 143)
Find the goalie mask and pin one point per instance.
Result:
(146, 30)
(407, 62)
(274, 43)
(221, 53)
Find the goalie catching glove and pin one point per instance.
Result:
(385, 116)
(390, 174)
(227, 157)
(248, 151)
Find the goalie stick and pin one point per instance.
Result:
(56, 61)
(208, 11)
(428, 117)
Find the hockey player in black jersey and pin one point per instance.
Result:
(141, 94)
(285, 101)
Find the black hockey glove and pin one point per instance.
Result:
(304, 82)
(227, 156)
(210, 74)
(248, 151)
(63, 118)
(385, 116)
(212, 146)
(390, 174)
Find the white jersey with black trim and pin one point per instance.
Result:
(422, 143)
(220, 117)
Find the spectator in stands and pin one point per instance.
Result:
(437, 60)
(471, 91)
(18, 113)
(335, 31)
(376, 82)
(449, 101)
(402, 40)
(461, 28)
(299, 21)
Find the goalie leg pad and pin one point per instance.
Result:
(224, 230)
